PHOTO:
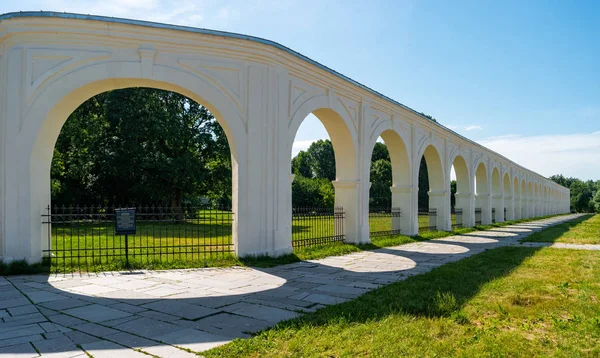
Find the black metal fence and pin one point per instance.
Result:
(314, 226)
(427, 220)
(457, 218)
(84, 237)
(477, 216)
(384, 221)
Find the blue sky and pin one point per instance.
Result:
(521, 77)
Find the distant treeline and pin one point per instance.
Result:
(585, 195)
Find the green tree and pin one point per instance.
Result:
(140, 146)
(596, 201)
(581, 196)
(452, 194)
(322, 159)
(423, 186)
(327, 193)
(428, 117)
(301, 164)
(381, 181)
(306, 192)
(380, 151)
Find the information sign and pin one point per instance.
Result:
(125, 221)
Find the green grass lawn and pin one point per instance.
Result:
(572, 232)
(161, 241)
(203, 242)
(510, 301)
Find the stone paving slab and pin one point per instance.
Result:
(96, 313)
(165, 313)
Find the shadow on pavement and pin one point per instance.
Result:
(108, 314)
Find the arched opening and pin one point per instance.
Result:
(482, 196)
(153, 150)
(509, 213)
(431, 181)
(517, 199)
(323, 182)
(497, 201)
(460, 194)
(45, 120)
(390, 191)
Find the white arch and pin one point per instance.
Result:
(398, 148)
(61, 95)
(516, 197)
(463, 174)
(508, 197)
(463, 196)
(339, 127)
(439, 193)
(497, 200)
(435, 168)
(401, 190)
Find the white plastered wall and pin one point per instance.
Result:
(259, 93)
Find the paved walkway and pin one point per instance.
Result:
(169, 313)
(560, 245)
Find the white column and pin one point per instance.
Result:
(402, 198)
(263, 184)
(26, 188)
(346, 197)
(498, 205)
(483, 201)
(510, 208)
(466, 201)
(440, 201)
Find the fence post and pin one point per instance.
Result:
(126, 250)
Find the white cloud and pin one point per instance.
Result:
(183, 12)
(301, 145)
(576, 155)
(468, 128)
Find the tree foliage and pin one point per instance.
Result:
(140, 146)
(381, 181)
(314, 170)
(585, 195)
